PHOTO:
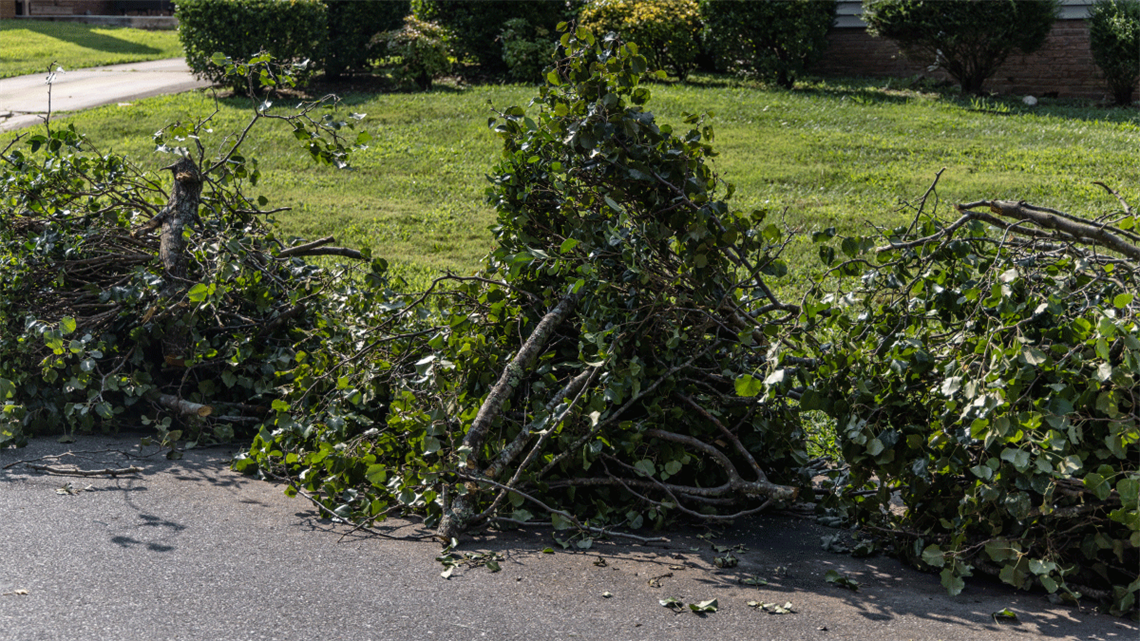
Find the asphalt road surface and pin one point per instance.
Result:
(191, 550)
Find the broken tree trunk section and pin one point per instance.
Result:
(180, 211)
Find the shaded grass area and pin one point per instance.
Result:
(31, 47)
(830, 154)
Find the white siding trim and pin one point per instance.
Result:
(848, 11)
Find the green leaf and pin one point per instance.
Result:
(198, 293)
(66, 325)
(1034, 356)
(377, 474)
(748, 386)
(834, 577)
(1005, 615)
(1122, 300)
(560, 522)
(673, 603)
(705, 606)
(1098, 485)
(953, 583)
(932, 556)
(646, 467)
(279, 405)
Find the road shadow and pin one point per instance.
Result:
(122, 470)
(779, 559)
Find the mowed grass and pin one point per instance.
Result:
(28, 47)
(840, 154)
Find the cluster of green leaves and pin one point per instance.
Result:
(1114, 37)
(667, 32)
(422, 49)
(967, 38)
(84, 309)
(291, 32)
(351, 26)
(597, 203)
(984, 386)
(773, 40)
(527, 49)
(477, 24)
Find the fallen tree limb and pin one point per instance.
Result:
(456, 516)
(568, 516)
(66, 471)
(185, 407)
(1104, 235)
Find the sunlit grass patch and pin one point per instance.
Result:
(32, 46)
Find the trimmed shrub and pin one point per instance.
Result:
(773, 39)
(291, 31)
(476, 25)
(422, 48)
(667, 32)
(1114, 37)
(527, 49)
(351, 25)
(970, 39)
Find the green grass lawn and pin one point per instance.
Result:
(31, 47)
(841, 153)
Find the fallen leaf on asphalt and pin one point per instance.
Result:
(705, 606)
(727, 561)
(655, 582)
(16, 593)
(606, 595)
(673, 603)
(1006, 615)
(841, 580)
(772, 608)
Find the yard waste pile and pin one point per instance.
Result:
(627, 356)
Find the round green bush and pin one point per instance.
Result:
(527, 49)
(774, 40)
(291, 31)
(970, 39)
(666, 31)
(422, 48)
(351, 25)
(477, 25)
(1114, 37)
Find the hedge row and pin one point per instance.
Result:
(333, 35)
(770, 39)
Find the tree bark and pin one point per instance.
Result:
(180, 211)
(183, 406)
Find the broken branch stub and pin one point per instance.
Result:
(180, 211)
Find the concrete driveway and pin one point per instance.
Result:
(24, 99)
(190, 550)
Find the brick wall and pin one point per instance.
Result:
(69, 7)
(1063, 67)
